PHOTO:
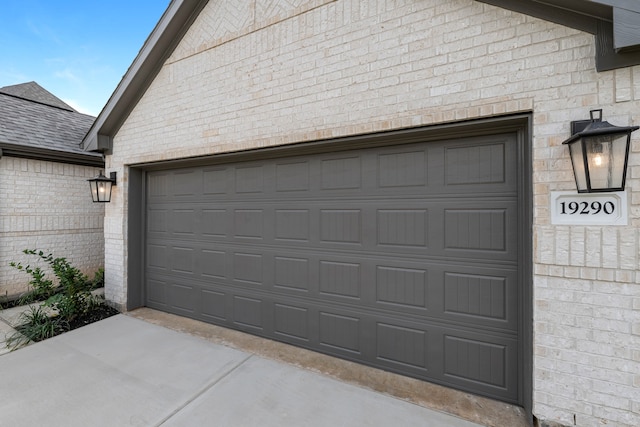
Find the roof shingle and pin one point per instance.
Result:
(32, 117)
(32, 91)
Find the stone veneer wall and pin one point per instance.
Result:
(262, 73)
(47, 206)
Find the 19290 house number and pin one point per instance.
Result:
(571, 208)
(586, 208)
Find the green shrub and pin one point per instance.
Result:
(37, 326)
(70, 302)
(98, 279)
(71, 298)
(41, 288)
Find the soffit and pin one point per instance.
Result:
(615, 24)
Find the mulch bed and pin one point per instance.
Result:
(99, 313)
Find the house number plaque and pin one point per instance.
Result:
(571, 208)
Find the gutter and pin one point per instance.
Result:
(35, 153)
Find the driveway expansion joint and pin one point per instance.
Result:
(204, 389)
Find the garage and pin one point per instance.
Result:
(396, 252)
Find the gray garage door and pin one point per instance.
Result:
(402, 257)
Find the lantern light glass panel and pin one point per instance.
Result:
(101, 191)
(606, 154)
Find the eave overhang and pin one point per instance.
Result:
(614, 23)
(175, 21)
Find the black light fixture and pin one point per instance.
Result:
(599, 153)
(101, 187)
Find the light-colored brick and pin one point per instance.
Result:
(61, 220)
(307, 70)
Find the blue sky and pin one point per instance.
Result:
(76, 49)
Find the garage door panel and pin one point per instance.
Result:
(157, 257)
(250, 179)
(292, 322)
(402, 227)
(248, 312)
(186, 183)
(480, 230)
(489, 299)
(292, 273)
(449, 291)
(340, 332)
(474, 361)
(292, 176)
(183, 222)
(340, 172)
(216, 181)
(156, 292)
(392, 225)
(248, 268)
(158, 186)
(402, 257)
(475, 164)
(340, 278)
(213, 305)
(401, 287)
(437, 168)
(402, 168)
(182, 260)
(248, 223)
(183, 297)
(401, 346)
(486, 164)
(341, 226)
(214, 264)
(480, 296)
(475, 229)
(214, 223)
(157, 222)
(293, 224)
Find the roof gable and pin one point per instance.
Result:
(166, 35)
(598, 17)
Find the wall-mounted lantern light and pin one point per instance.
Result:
(101, 187)
(599, 153)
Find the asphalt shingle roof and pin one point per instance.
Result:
(30, 116)
(34, 92)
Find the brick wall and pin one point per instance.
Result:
(47, 206)
(275, 72)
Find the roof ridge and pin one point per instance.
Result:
(39, 102)
(32, 91)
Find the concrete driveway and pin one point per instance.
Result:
(124, 371)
